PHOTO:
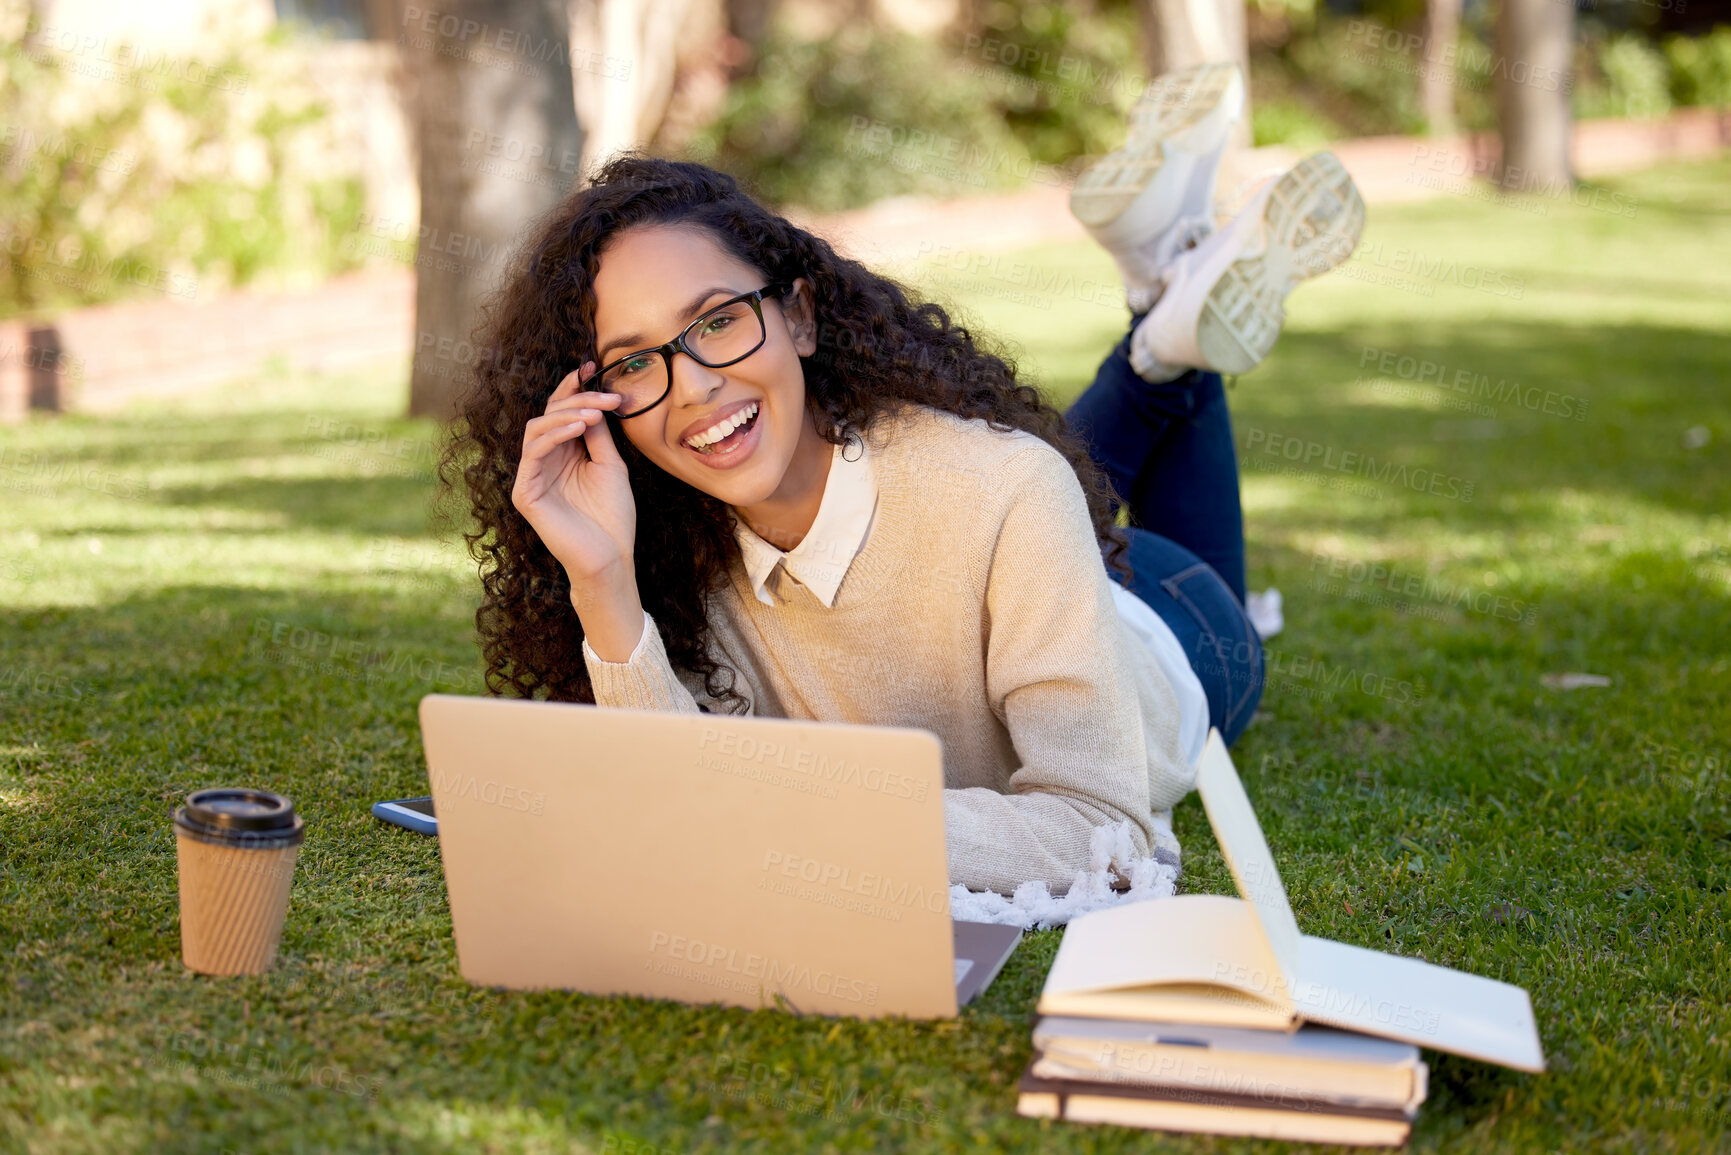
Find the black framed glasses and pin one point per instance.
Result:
(723, 336)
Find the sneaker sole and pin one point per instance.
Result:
(1311, 222)
(1173, 105)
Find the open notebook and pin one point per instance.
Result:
(1242, 962)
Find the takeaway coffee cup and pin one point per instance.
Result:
(237, 853)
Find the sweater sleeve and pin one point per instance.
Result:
(644, 681)
(1059, 676)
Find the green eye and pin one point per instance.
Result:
(634, 365)
(717, 323)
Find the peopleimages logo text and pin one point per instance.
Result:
(1315, 454)
(838, 769)
(1419, 587)
(1443, 270)
(772, 973)
(866, 883)
(489, 792)
(1473, 384)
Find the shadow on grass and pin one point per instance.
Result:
(370, 506)
(1472, 403)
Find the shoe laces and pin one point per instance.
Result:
(1191, 231)
(1162, 254)
(1183, 235)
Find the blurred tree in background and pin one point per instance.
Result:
(480, 110)
(1535, 40)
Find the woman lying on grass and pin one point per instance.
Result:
(718, 466)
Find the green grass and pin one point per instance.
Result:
(1424, 790)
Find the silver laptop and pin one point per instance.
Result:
(701, 857)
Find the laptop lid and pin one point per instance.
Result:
(699, 857)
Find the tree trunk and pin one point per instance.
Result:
(708, 57)
(1442, 30)
(499, 146)
(1184, 33)
(1535, 39)
(623, 60)
(749, 20)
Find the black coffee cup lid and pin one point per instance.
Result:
(234, 814)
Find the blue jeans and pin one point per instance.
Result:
(1168, 451)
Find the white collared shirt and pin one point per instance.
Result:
(844, 517)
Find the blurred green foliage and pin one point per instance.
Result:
(1344, 76)
(870, 111)
(856, 116)
(1287, 122)
(1020, 93)
(1065, 75)
(1361, 77)
(1632, 78)
(131, 173)
(1701, 68)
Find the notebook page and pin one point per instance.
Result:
(1417, 1002)
(1248, 857)
(1187, 940)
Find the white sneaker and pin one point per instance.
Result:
(1222, 305)
(1263, 610)
(1154, 196)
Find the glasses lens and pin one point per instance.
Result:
(640, 379)
(727, 334)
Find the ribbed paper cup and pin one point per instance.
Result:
(237, 851)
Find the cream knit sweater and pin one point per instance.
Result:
(979, 609)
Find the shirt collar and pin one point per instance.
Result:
(822, 557)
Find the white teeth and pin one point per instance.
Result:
(722, 428)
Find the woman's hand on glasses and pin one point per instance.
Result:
(572, 486)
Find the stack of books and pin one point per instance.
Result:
(1214, 1014)
(1314, 1083)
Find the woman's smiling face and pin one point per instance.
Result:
(655, 280)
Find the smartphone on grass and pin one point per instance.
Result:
(411, 813)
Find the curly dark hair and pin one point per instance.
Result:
(880, 349)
